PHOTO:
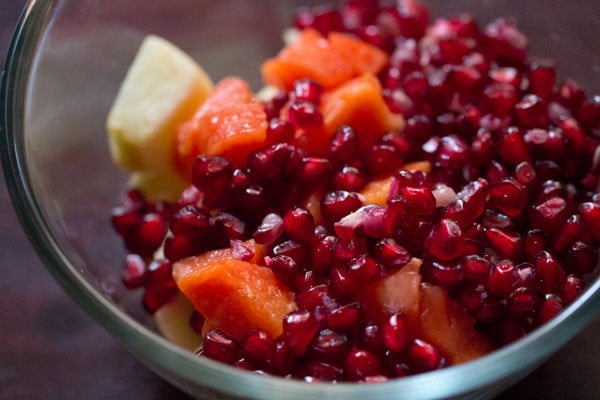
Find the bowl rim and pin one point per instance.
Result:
(490, 373)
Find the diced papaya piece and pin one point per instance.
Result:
(329, 61)
(377, 191)
(363, 57)
(234, 295)
(230, 123)
(358, 103)
(448, 326)
(399, 292)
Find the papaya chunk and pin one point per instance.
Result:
(230, 123)
(234, 295)
(399, 292)
(329, 61)
(446, 325)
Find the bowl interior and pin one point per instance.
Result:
(64, 184)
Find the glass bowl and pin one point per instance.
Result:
(63, 70)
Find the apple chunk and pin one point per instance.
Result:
(162, 88)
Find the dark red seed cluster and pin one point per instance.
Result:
(507, 220)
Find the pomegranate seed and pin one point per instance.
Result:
(219, 346)
(316, 296)
(499, 98)
(345, 317)
(572, 289)
(343, 146)
(349, 178)
(279, 130)
(542, 78)
(412, 18)
(424, 355)
(322, 253)
(549, 215)
(522, 302)
(572, 230)
(304, 114)
(190, 220)
(274, 105)
(505, 244)
(368, 220)
(312, 170)
(299, 328)
(337, 204)
(534, 242)
(269, 230)
(550, 307)
(211, 175)
(134, 274)
(293, 249)
(284, 267)
(273, 161)
(307, 90)
(476, 269)
(445, 242)
(582, 258)
(395, 332)
(442, 273)
(258, 345)
(330, 344)
(391, 255)
(503, 279)
(361, 364)
(550, 274)
(505, 42)
(531, 112)
(525, 174)
(590, 214)
(364, 269)
(512, 147)
(229, 226)
(382, 159)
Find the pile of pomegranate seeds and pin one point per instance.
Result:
(507, 220)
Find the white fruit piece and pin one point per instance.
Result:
(162, 88)
(173, 321)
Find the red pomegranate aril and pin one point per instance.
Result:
(509, 75)
(418, 128)
(258, 345)
(361, 364)
(574, 134)
(307, 90)
(476, 269)
(299, 224)
(368, 220)
(322, 253)
(274, 105)
(512, 147)
(505, 42)
(273, 161)
(349, 178)
(590, 214)
(482, 147)
(382, 159)
(581, 258)
(345, 318)
(445, 242)
(316, 296)
(525, 174)
(372, 338)
(572, 230)
(550, 307)
(149, 234)
(284, 267)
(299, 328)
(542, 78)
(293, 249)
(499, 98)
(212, 175)
(304, 114)
(344, 145)
(178, 247)
(588, 113)
(506, 244)
(522, 302)
(312, 170)
(190, 220)
(509, 197)
(412, 18)
(550, 274)
(134, 272)
(549, 215)
(534, 242)
(364, 269)
(424, 355)
(279, 130)
(531, 112)
(447, 274)
(337, 204)
(219, 346)
(391, 255)
(395, 332)
(420, 198)
(229, 226)
(125, 220)
(342, 286)
(269, 230)
(504, 278)
(330, 344)
(572, 289)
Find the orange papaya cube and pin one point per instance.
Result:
(362, 56)
(448, 326)
(230, 123)
(233, 295)
(399, 292)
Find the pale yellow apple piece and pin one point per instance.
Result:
(162, 88)
(173, 322)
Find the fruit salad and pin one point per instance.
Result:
(405, 194)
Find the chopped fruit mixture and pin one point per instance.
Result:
(412, 195)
